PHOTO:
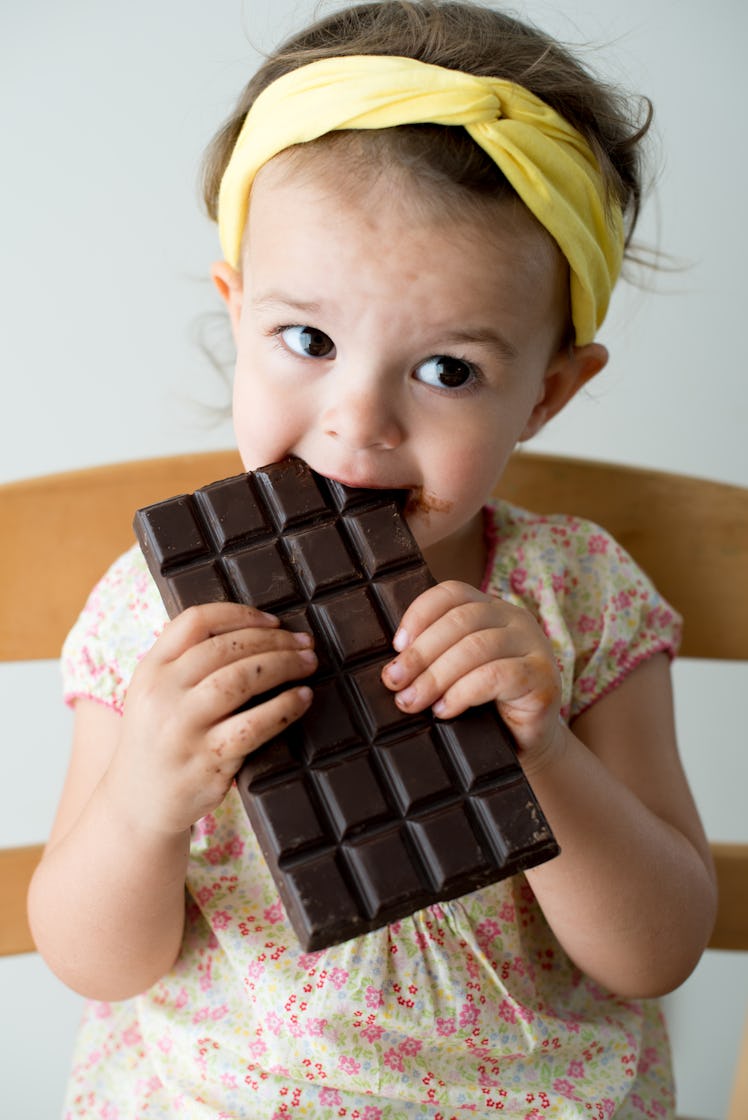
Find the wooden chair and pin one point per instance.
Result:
(690, 535)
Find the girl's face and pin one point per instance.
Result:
(389, 346)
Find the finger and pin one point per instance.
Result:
(521, 684)
(239, 734)
(231, 686)
(208, 656)
(430, 605)
(446, 633)
(474, 652)
(196, 624)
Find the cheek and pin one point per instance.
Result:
(268, 423)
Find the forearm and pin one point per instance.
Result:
(107, 903)
(630, 898)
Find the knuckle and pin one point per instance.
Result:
(190, 624)
(475, 644)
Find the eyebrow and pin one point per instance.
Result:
(492, 338)
(278, 299)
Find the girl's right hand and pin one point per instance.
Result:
(182, 738)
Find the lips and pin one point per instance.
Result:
(365, 482)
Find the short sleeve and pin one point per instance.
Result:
(601, 612)
(116, 628)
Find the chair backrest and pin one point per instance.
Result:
(60, 533)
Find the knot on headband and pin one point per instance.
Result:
(548, 163)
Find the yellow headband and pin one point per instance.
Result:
(549, 163)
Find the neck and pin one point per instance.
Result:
(461, 556)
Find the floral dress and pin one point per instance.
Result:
(464, 1009)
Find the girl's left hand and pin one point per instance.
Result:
(458, 647)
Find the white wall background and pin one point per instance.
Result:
(105, 253)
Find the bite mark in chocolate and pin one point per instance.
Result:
(364, 813)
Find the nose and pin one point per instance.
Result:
(363, 417)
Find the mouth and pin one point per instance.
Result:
(417, 499)
(364, 482)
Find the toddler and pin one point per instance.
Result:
(423, 209)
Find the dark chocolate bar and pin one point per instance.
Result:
(364, 814)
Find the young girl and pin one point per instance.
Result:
(423, 209)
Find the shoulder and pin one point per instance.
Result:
(600, 610)
(117, 626)
(532, 551)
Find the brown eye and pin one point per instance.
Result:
(308, 342)
(445, 372)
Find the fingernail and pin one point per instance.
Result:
(301, 638)
(308, 656)
(304, 694)
(394, 672)
(400, 640)
(439, 708)
(405, 698)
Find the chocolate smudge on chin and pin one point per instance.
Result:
(420, 501)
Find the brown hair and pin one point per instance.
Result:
(477, 40)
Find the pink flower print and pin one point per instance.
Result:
(622, 600)
(576, 1069)
(517, 580)
(257, 1048)
(507, 1011)
(234, 848)
(307, 961)
(486, 931)
(565, 1088)
(597, 544)
(206, 826)
(274, 913)
(273, 1022)
(255, 969)
(410, 1047)
(586, 684)
(220, 919)
(109, 1112)
(469, 1015)
(182, 998)
(371, 1113)
(132, 1036)
(558, 583)
(329, 1097)
(339, 978)
(373, 998)
(587, 624)
(371, 1032)
(103, 1010)
(316, 1027)
(445, 1027)
(648, 1058)
(348, 1065)
(394, 1059)
(214, 855)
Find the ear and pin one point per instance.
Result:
(567, 373)
(230, 287)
